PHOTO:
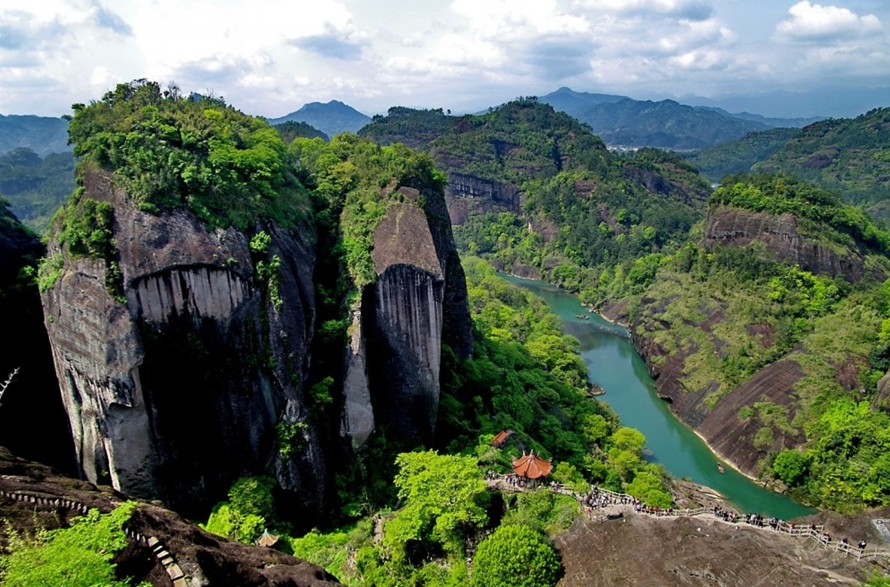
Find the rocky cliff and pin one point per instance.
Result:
(737, 358)
(417, 303)
(468, 195)
(161, 545)
(193, 374)
(176, 390)
(32, 420)
(784, 241)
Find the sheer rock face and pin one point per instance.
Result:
(468, 195)
(176, 392)
(195, 378)
(783, 241)
(417, 303)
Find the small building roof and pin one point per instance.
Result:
(531, 466)
(501, 437)
(267, 540)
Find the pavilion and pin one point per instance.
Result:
(531, 466)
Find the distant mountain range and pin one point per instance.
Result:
(331, 118)
(40, 134)
(834, 102)
(666, 124)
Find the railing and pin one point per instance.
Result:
(166, 560)
(593, 500)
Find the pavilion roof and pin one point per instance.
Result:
(531, 466)
(267, 540)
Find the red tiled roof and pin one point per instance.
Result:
(531, 466)
(501, 438)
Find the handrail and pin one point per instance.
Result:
(594, 497)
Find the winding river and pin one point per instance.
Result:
(614, 365)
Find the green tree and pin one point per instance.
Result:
(78, 556)
(445, 495)
(250, 509)
(516, 556)
(791, 466)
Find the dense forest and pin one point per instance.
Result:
(848, 156)
(526, 377)
(590, 209)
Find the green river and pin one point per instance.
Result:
(614, 365)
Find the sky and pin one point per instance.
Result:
(269, 57)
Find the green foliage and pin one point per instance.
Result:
(269, 274)
(87, 228)
(445, 496)
(36, 187)
(80, 555)
(292, 129)
(49, 271)
(328, 551)
(291, 438)
(354, 181)
(649, 485)
(791, 466)
(596, 208)
(878, 580)
(849, 457)
(259, 243)
(844, 155)
(250, 509)
(228, 522)
(172, 152)
(253, 495)
(542, 511)
(720, 160)
(786, 195)
(516, 556)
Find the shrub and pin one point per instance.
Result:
(516, 556)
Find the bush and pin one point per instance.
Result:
(516, 556)
(78, 556)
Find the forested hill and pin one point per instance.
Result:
(41, 134)
(331, 118)
(667, 124)
(545, 170)
(766, 334)
(847, 155)
(35, 187)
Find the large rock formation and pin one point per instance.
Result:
(176, 391)
(417, 303)
(196, 375)
(782, 239)
(728, 418)
(468, 195)
(34, 497)
(32, 420)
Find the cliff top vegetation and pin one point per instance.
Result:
(172, 152)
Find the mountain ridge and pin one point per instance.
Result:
(331, 117)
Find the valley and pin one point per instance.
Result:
(280, 331)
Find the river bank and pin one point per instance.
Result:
(614, 365)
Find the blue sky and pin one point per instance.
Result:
(269, 57)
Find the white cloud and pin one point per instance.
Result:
(818, 23)
(271, 56)
(679, 9)
(511, 20)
